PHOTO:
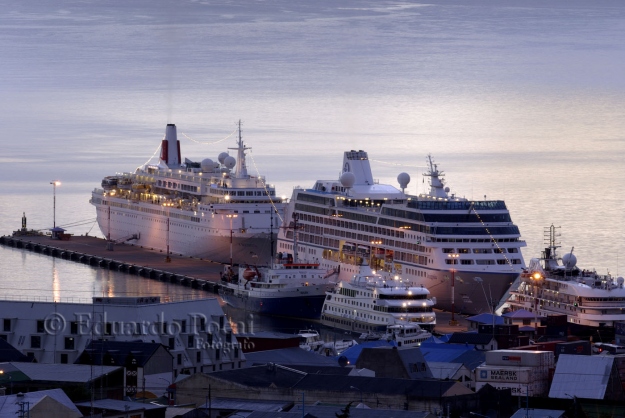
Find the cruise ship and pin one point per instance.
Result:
(556, 286)
(435, 239)
(210, 209)
(370, 303)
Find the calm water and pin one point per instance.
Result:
(517, 100)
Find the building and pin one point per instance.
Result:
(594, 377)
(195, 332)
(40, 404)
(138, 359)
(77, 381)
(275, 382)
(109, 408)
(394, 363)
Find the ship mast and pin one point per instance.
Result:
(241, 167)
(437, 186)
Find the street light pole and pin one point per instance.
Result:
(231, 216)
(355, 388)
(54, 183)
(454, 260)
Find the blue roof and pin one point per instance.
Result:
(353, 352)
(520, 314)
(443, 352)
(486, 319)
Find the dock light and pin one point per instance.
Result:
(54, 183)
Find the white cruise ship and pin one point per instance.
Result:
(437, 240)
(209, 209)
(370, 303)
(556, 286)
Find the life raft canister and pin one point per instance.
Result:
(249, 274)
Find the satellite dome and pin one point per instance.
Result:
(207, 165)
(446, 189)
(403, 179)
(348, 179)
(343, 361)
(569, 260)
(230, 162)
(222, 157)
(620, 281)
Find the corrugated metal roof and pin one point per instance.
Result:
(120, 406)
(248, 404)
(537, 413)
(583, 379)
(520, 314)
(9, 404)
(288, 356)
(486, 319)
(79, 373)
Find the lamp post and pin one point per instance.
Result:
(574, 402)
(231, 216)
(355, 388)
(168, 205)
(453, 260)
(491, 303)
(54, 183)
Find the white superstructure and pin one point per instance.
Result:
(556, 286)
(435, 239)
(213, 209)
(370, 303)
(196, 332)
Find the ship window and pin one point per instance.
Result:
(448, 250)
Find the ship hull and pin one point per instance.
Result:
(187, 238)
(294, 305)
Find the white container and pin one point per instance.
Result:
(502, 374)
(520, 358)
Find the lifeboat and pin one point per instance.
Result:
(140, 187)
(109, 182)
(124, 183)
(250, 274)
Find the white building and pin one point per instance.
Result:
(196, 332)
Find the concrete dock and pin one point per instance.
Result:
(127, 258)
(149, 263)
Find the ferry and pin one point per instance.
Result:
(435, 239)
(556, 286)
(211, 209)
(288, 288)
(370, 303)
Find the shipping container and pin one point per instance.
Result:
(534, 389)
(519, 358)
(556, 320)
(508, 374)
(574, 347)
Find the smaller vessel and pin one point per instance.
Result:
(286, 288)
(310, 340)
(407, 334)
(369, 303)
(556, 286)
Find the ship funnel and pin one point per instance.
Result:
(170, 148)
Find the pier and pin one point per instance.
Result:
(131, 259)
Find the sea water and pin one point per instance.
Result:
(519, 100)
